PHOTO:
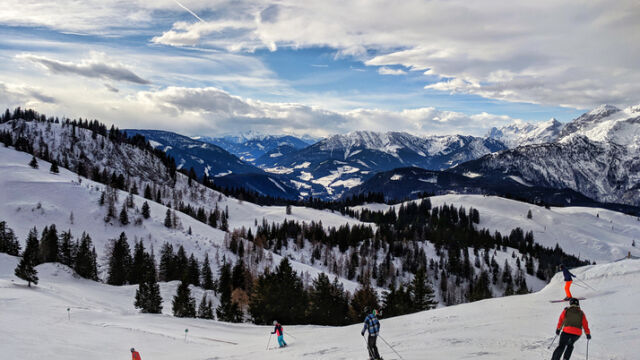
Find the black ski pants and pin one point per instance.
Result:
(565, 346)
(373, 349)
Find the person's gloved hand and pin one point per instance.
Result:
(273, 332)
(588, 336)
(362, 333)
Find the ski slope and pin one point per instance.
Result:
(590, 233)
(104, 324)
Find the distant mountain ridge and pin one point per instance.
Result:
(520, 133)
(250, 147)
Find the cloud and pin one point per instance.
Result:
(211, 110)
(389, 71)
(94, 67)
(552, 53)
(19, 95)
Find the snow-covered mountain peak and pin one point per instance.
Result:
(521, 133)
(603, 110)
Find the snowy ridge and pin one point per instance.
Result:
(590, 233)
(499, 329)
(521, 133)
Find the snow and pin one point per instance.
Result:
(278, 170)
(304, 165)
(590, 233)
(519, 180)
(277, 185)
(275, 155)
(104, 324)
(396, 177)
(155, 144)
(471, 174)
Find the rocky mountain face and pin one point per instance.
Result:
(597, 154)
(332, 166)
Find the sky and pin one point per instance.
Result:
(214, 67)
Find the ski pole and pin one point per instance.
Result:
(394, 350)
(587, 285)
(368, 348)
(554, 339)
(588, 349)
(269, 342)
(290, 334)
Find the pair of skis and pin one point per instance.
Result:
(565, 300)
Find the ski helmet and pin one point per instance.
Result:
(375, 312)
(132, 349)
(574, 301)
(275, 322)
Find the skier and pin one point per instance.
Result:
(135, 355)
(571, 322)
(373, 325)
(568, 279)
(278, 331)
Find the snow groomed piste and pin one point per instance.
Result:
(102, 324)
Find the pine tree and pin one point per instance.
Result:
(8, 241)
(423, 295)
(54, 167)
(364, 299)
(167, 266)
(148, 297)
(26, 268)
(479, 289)
(194, 271)
(267, 300)
(147, 192)
(138, 264)
(33, 163)
(167, 220)
(183, 304)
(205, 309)
(207, 275)
(328, 303)
(49, 244)
(146, 211)
(119, 261)
(124, 218)
(529, 215)
(86, 259)
(66, 248)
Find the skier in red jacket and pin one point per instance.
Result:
(571, 322)
(135, 355)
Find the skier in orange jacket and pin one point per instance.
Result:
(135, 355)
(571, 322)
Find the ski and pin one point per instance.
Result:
(563, 300)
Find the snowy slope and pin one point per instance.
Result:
(35, 197)
(591, 233)
(104, 325)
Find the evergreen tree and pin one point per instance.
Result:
(279, 295)
(194, 271)
(147, 192)
(423, 294)
(26, 268)
(328, 303)
(167, 266)
(139, 263)
(8, 241)
(167, 220)
(397, 301)
(148, 297)
(205, 309)
(181, 263)
(364, 300)
(33, 163)
(49, 244)
(183, 304)
(86, 260)
(479, 289)
(119, 261)
(227, 310)
(54, 167)
(124, 217)
(66, 248)
(207, 275)
(146, 211)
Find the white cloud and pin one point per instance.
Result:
(389, 71)
(97, 66)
